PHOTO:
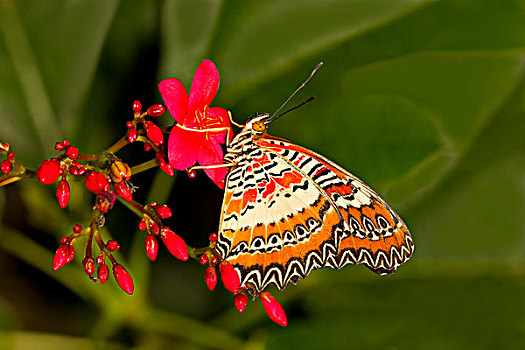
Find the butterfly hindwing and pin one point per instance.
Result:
(373, 233)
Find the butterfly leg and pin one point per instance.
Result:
(213, 166)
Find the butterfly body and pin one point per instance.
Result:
(288, 210)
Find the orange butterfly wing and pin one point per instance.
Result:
(288, 211)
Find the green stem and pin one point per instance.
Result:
(150, 164)
(118, 145)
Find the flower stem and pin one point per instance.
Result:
(152, 163)
(118, 145)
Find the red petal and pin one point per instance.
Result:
(176, 98)
(211, 154)
(182, 148)
(204, 86)
(217, 117)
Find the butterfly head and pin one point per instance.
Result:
(258, 124)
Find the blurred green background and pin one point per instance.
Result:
(424, 100)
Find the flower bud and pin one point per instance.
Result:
(77, 228)
(142, 225)
(119, 171)
(176, 245)
(123, 191)
(96, 182)
(152, 246)
(11, 155)
(164, 166)
(130, 125)
(72, 152)
(6, 166)
(63, 193)
(61, 256)
(112, 246)
(48, 171)
(273, 309)
(71, 254)
(210, 277)
(191, 174)
(213, 237)
(240, 302)
(230, 277)
(163, 211)
(154, 133)
(123, 278)
(103, 273)
(147, 147)
(137, 106)
(156, 110)
(203, 259)
(89, 265)
(132, 135)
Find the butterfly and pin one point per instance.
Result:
(288, 210)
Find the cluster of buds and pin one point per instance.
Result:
(96, 180)
(231, 281)
(153, 213)
(65, 254)
(7, 164)
(151, 135)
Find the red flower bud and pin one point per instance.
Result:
(71, 254)
(11, 155)
(203, 259)
(155, 228)
(112, 246)
(156, 110)
(191, 174)
(152, 246)
(210, 277)
(66, 143)
(142, 225)
(61, 256)
(72, 152)
(100, 258)
(103, 273)
(214, 260)
(273, 309)
(73, 170)
(176, 245)
(164, 166)
(213, 237)
(132, 135)
(230, 277)
(147, 146)
(120, 171)
(123, 278)
(163, 211)
(48, 171)
(129, 125)
(123, 191)
(59, 146)
(63, 193)
(96, 182)
(154, 133)
(6, 166)
(77, 228)
(89, 265)
(240, 301)
(137, 106)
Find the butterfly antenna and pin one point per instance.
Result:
(294, 108)
(295, 92)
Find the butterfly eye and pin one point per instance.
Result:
(259, 126)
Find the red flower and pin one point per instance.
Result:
(185, 147)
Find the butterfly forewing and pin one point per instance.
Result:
(276, 226)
